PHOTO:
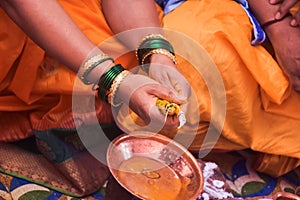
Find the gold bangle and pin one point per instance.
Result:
(114, 87)
(89, 65)
(146, 38)
(160, 51)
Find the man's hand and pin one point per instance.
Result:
(284, 8)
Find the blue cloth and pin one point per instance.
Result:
(258, 32)
(169, 5)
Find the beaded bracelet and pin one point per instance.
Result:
(114, 87)
(106, 81)
(91, 64)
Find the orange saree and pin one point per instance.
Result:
(36, 91)
(36, 99)
(262, 111)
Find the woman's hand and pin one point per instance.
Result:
(284, 8)
(141, 94)
(163, 70)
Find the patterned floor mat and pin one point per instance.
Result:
(236, 167)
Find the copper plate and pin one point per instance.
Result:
(152, 166)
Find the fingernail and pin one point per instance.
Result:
(272, 1)
(294, 22)
(277, 15)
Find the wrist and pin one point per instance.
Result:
(161, 59)
(92, 67)
(93, 77)
(153, 44)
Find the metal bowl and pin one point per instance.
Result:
(152, 166)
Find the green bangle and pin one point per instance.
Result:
(107, 79)
(93, 67)
(157, 44)
(109, 76)
(152, 43)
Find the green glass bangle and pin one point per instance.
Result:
(107, 79)
(158, 42)
(93, 67)
(153, 43)
(147, 47)
(110, 76)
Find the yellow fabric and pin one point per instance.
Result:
(263, 112)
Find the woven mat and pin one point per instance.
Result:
(235, 166)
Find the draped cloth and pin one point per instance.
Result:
(36, 91)
(262, 110)
(259, 36)
(36, 100)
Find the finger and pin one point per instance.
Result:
(132, 83)
(180, 89)
(165, 93)
(158, 120)
(160, 74)
(172, 123)
(183, 95)
(166, 82)
(275, 1)
(296, 19)
(179, 83)
(284, 8)
(183, 89)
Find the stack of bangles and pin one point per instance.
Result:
(109, 82)
(153, 44)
